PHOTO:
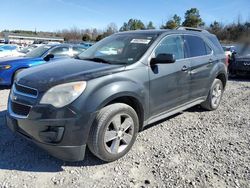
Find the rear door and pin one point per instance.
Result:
(169, 83)
(202, 60)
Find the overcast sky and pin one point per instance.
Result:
(53, 15)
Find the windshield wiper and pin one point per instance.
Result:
(97, 59)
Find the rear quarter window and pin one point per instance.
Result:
(217, 46)
(195, 46)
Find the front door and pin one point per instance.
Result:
(169, 83)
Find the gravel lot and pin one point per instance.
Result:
(192, 149)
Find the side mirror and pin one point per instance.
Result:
(163, 59)
(48, 57)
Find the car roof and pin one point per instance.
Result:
(165, 31)
(146, 32)
(63, 45)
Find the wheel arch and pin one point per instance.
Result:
(223, 78)
(133, 102)
(14, 73)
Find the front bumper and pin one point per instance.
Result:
(32, 130)
(241, 67)
(63, 132)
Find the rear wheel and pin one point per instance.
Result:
(214, 97)
(114, 132)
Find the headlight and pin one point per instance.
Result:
(5, 67)
(64, 94)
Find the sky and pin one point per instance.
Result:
(54, 15)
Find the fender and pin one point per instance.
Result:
(218, 68)
(112, 91)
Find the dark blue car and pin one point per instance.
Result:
(10, 67)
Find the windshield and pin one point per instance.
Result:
(119, 48)
(38, 52)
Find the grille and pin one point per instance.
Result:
(241, 65)
(26, 90)
(20, 109)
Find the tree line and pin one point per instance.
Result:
(229, 33)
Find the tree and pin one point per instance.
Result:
(215, 27)
(99, 37)
(86, 37)
(111, 29)
(133, 24)
(173, 23)
(150, 25)
(94, 34)
(193, 18)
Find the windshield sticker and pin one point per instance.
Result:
(140, 41)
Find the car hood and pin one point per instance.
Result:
(12, 60)
(243, 58)
(63, 71)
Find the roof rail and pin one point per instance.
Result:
(192, 29)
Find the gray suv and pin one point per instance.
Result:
(106, 95)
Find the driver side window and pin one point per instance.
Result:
(171, 45)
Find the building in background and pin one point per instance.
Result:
(25, 39)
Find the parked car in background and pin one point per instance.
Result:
(10, 67)
(240, 64)
(8, 50)
(102, 101)
(87, 44)
(29, 48)
(229, 50)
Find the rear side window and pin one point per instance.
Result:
(171, 45)
(217, 46)
(196, 46)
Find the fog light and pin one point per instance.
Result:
(52, 135)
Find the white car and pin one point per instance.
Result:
(10, 51)
(29, 48)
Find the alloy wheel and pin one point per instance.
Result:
(216, 94)
(119, 133)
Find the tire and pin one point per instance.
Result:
(15, 74)
(214, 96)
(107, 140)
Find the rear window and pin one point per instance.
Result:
(196, 46)
(217, 46)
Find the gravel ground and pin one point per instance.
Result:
(192, 149)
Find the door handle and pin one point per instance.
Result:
(210, 61)
(184, 68)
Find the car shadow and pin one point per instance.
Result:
(4, 87)
(240, 78)
(16, 153)
(196, 108)
(160, 121)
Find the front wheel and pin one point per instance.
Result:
(214, 96)
(114, 132)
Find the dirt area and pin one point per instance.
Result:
(195, 148)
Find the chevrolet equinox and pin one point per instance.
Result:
(107, 94)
